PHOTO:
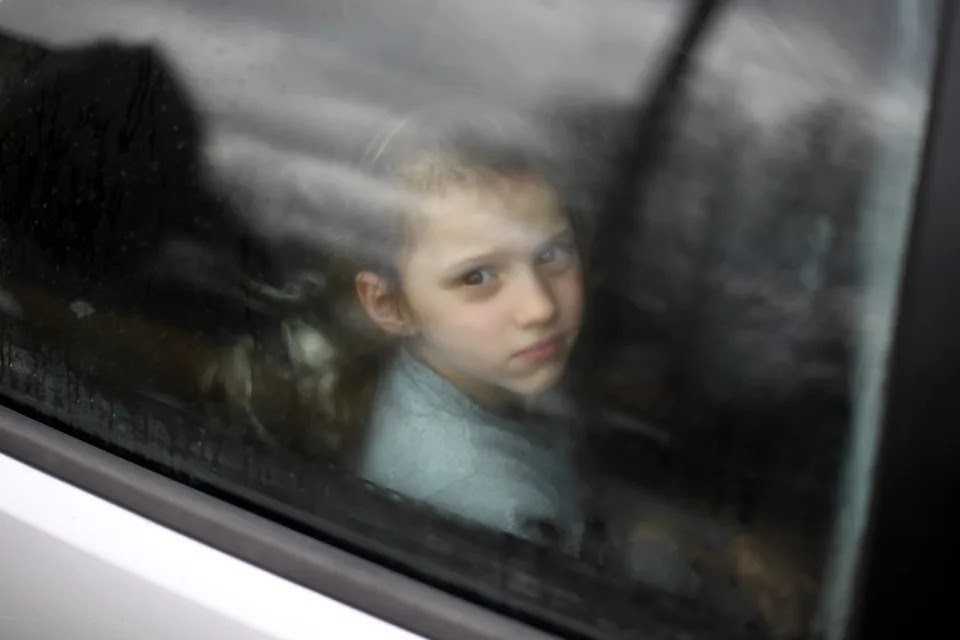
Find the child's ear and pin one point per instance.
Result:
(382, 304)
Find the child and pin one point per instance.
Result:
(481, 287)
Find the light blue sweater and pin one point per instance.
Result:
(432, 443)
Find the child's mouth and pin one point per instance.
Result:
(540, 351)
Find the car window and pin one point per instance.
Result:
(579, 310)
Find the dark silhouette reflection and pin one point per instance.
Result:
(116, 244)
(102, 181)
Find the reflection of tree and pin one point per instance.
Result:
(780, 214)
(741, 286)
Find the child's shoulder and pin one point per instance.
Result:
(428, 441)
(411, 395)
(420, 436)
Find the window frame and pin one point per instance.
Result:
(909, 547)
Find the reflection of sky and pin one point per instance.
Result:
(304, 78)
(405, 53)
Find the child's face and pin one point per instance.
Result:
(493, 288)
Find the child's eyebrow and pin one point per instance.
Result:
(474, 261)
(564, 234)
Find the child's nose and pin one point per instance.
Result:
(536, 304)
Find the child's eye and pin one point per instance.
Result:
(477, 277)
(557, 252)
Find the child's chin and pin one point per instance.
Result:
(539, 381)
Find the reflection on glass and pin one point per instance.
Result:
(439, 283)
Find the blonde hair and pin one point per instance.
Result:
(436, 172)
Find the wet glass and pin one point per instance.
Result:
(189, 188)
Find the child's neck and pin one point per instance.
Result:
(489, 396)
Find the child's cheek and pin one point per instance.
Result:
(570, 293)
(468, 327)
